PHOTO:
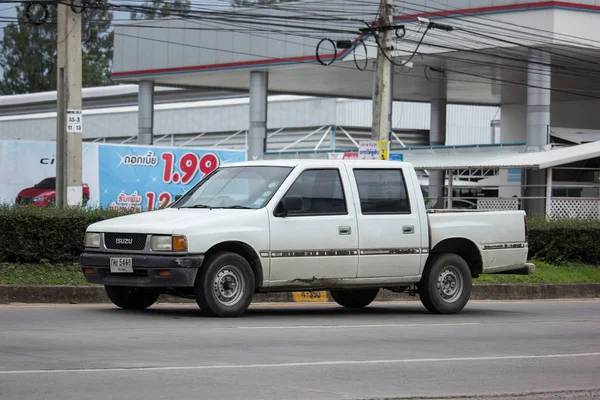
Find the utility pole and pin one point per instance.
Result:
(383, 88)
(69, 118)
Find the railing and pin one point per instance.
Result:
(498, 204)
(574, 208)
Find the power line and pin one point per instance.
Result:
(503, 82)
(232, 18)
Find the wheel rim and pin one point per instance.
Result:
(228, 285)
(450, 284)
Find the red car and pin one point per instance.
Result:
(43, 194)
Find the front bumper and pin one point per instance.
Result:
(146, 270)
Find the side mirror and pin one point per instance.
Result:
(289, 204)
(293, 203)
(178, 196)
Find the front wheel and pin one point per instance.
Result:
(225, 285)
(445, 287)
(130, 298)
(354, 298)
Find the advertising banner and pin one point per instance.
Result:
(25, 164)
(124, 177)
(144, 178)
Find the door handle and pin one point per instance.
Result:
(344, 230)
(408, 229)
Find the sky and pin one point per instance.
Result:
(8, 11)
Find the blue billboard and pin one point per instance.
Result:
(144, 178)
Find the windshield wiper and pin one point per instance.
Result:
(238, 207)
(198, 206)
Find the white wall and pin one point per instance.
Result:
(513, 125)
(470, 124)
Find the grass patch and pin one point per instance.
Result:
(548, 273)
(70, 274)
(41, 274)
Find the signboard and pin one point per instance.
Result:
(74, 121)
(384, 149)
(368, 150)
(353, 155)
(141, 178)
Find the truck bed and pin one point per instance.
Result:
(499, 235)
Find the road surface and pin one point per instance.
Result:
(299, 351)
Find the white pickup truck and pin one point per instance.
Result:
(349, 227)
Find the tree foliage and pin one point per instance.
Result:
(28, 52)
(160, 9)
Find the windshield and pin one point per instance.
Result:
(48, 183)
(236, 187)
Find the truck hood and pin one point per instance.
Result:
(170, 221)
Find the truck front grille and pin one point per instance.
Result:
(125, 241)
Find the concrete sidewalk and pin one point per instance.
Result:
(96, 294)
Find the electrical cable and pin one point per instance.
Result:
(334, 52)
(366, 55)
(501, 82)
(361, 42)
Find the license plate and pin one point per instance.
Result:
(121, 264)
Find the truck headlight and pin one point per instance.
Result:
(168, 243)
(92, 239)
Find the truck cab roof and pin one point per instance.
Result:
(320, 163)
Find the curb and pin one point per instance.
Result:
(96, 294)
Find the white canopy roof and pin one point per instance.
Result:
(509, 157)
(578, 136)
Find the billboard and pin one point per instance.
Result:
(23, 164)
(124, 177)
(149, 177)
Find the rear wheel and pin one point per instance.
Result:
(445, 287)
(359, 298)
(130, 298)
(225, 285)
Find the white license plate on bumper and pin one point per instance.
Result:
(121, 264)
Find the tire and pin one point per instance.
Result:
(453, 272)
(130, 298)
(224, 285)
(359, 298)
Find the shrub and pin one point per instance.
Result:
(564, 240)
(55, 235)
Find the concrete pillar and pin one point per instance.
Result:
(259, 83)
(539, 83)
(146, 112)
(538, 125)
(437, 137)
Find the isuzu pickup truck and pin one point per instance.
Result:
(346, 226)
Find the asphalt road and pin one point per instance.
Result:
(293, 351)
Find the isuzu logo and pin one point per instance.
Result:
(123, 241)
